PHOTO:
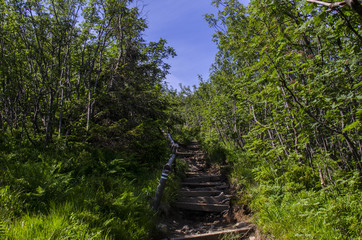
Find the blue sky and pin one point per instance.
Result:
(182, 24)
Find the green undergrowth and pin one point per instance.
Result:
(308, 214)
(76, 191)
(289, 203)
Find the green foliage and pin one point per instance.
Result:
(308, 214)
(78, 69)
(59, 223)
(75, 191)
(242, 170)
(82, 98)
(283, 104)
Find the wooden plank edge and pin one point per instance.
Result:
(202, 207)
(213, 235)
(212, 178)
(203, 183)
(199, 193)
(185, 153)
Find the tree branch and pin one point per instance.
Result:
(354, 4)
(327, 4)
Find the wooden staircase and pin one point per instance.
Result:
(204, 192)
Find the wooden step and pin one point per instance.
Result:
(214, 235)
(196, 174)
(191, 174)
(206, 199)
(202, 184)
(185, 153)
(199, 189)
(203, 179)
(202, 207)
(194, 146)
(199, 193)
(214, 188)
(196, 169)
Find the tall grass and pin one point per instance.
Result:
(60, 222)
(308, 214)
(290, 204)
(76, 192)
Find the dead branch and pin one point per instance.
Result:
(354, 4)
(328, 4)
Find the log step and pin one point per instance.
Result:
(199, 193)
(194, 146)
(206, 199)
(191, 174)
(202, 184)
(185, 153)
(195, 174)
(202, 179)
(213, 235)
(202, 207)
(213, 188)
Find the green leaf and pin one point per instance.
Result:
(359, 115)
(352, 126)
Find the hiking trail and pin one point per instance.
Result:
(202, 209)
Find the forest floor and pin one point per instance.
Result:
(204, 209)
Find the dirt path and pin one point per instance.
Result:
(203, 210)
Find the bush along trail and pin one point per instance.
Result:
(283, 106)
(202, 209)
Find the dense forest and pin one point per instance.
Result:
(83, 99)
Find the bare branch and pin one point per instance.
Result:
(354, 4)
(328, 4)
